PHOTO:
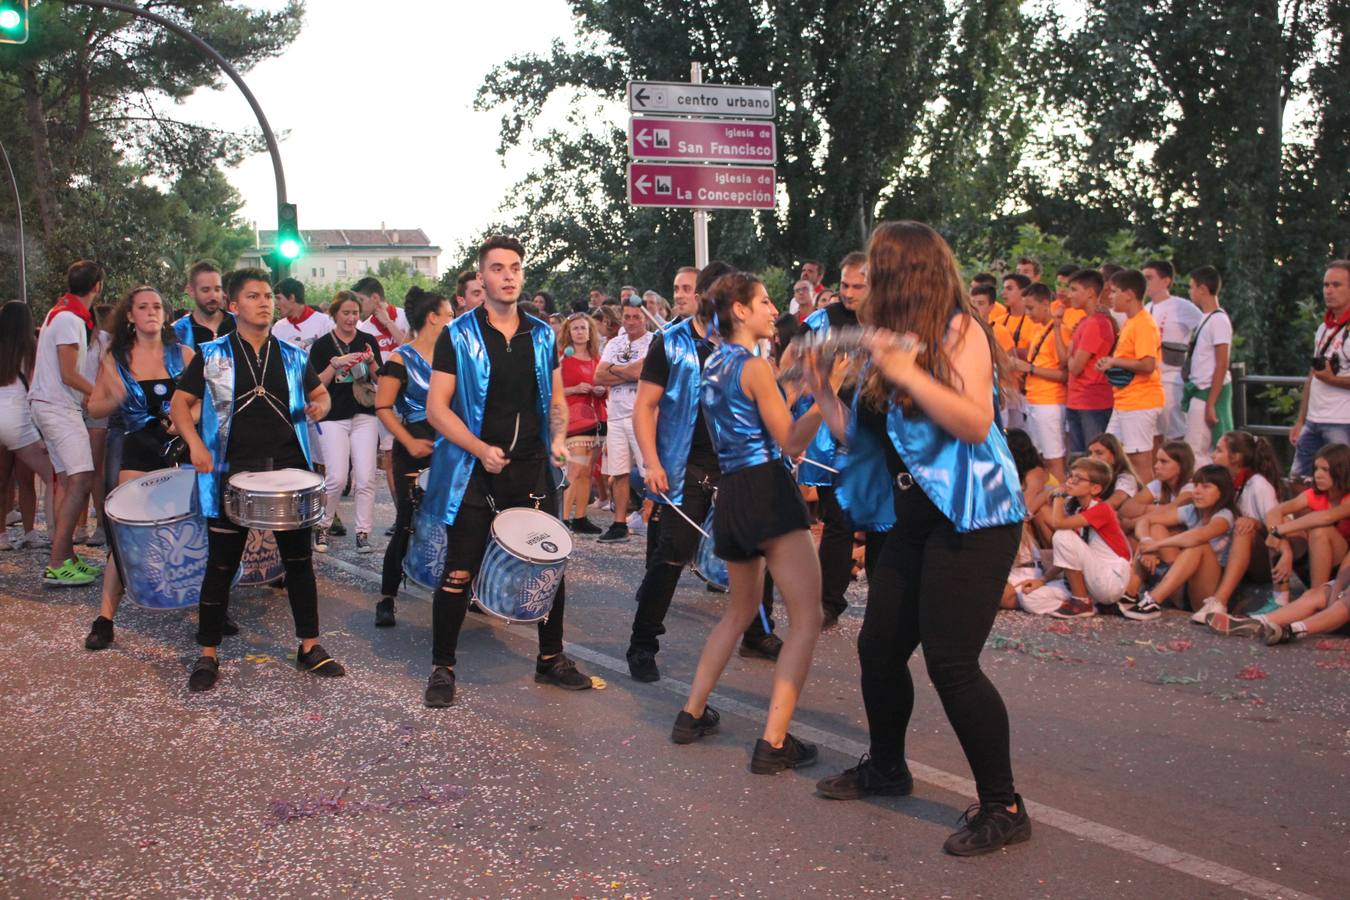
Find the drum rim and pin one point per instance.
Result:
(230, 485)
(167, 520)
(529, 559)
(507, 619)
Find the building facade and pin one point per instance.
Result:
(342, 255)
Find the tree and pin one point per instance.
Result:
(78, 110)
(393, 267)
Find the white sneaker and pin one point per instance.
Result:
(635, 523)
(36, 540)
(4, 540)
(13, 518)
(1209, 606)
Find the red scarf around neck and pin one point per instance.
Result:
(305, 313)
(71, 303)
(379, 326)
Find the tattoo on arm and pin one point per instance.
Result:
(557, 419)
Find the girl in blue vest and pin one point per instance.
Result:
(135, 381)
(401, 404)
(927, 461)
(760, 518)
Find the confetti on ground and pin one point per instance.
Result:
(1329, 644)
(1168, 678)
(598, 683)
(1341, 663)
(1059, 628)
(1179, 645)
(259, 658)
(1252, 672)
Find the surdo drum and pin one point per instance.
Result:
(523, 566)
(707, 564)
(424, 563)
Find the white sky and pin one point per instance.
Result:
(378, 102)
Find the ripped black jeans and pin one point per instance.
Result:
(225, 548)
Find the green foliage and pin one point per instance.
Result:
(391, 268)
(778, 284)
(395, 287)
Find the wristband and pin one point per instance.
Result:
(1275, 533)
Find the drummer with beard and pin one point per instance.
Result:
(261, 391)
(496, 396)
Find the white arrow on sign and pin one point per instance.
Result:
(644, 138)
(642, 184)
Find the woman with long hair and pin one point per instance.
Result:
(135, 380)
(347, 360)
(928, 460)
(579, 352)
(401, 404)
(1260, 486)
(18, 434)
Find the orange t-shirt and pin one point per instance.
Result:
(1071, 319)
(1140, 338)
(1042, 391)
(997, 313)
(1002, 335)
(1021, 328)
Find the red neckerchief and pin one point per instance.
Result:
(73, 304)
(1327, 319)
(307, 311)
(1241, 478)
(379, 326)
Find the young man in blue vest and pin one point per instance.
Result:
(208, 319)
(255, 393)
(496, 396)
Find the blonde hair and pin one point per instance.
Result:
(592, 335)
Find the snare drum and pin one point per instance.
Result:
(160, 537)
(261, 563)
(424, 563)
(707, 564)
(280, 500)
(523, 566)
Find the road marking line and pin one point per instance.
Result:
(1079, 827)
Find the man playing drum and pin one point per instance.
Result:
(259, 392)
(496, 395)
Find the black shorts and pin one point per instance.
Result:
(142, 451)
(754, 505)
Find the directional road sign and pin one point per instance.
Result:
(687, 99)
(702, 140)
(704, 187)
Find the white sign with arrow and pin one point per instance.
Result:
(681, 97)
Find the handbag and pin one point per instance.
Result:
(363, 392)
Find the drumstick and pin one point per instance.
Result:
(643, 307)
(697, 527)
(820, 465)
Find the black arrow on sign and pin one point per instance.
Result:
(640, 95)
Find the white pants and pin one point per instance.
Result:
(1104, 571)
(1198, 433)
(1136, 428)
(351, 442)
(1045, 427)
(1172, 423)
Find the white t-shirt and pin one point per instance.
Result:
(1176, 318)
(1258, 497)
(386, 342)
(302, 335)
(619, 352)
(1155, 487)
(1127, 483)
(1217, 331)
(1327, 404)
(93, 358)
(65, 328)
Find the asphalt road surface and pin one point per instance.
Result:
(1156, 760)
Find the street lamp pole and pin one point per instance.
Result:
(18, 211)
(272, 148)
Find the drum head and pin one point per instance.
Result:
(276, 482)
(424, 478)
(532, 535)
(154, 497)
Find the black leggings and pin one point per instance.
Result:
(836, 551)
(937, 587)
(225, 548)
(406, 470)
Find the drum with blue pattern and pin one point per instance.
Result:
(424, 562)
(523, 565)
(707, 564)
(261, 563)
(160, 537)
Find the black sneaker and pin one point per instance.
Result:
(688, 729)
(1273, 635)
(440, 691)
(989, 826)
(337, 529)
(229, 627)
(585, 526)
(384, 613)
(867, 779)
(561, 672)
(616, 533)
(100, 634)
(793, 754)
(205, 671)
(642, 666)
(363, 543)
(318, 662)
(321, 538)
(766, 646)
(829, 620)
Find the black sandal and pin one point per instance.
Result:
(204, 673)
(318, 662)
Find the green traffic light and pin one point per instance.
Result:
(10, 19)
(289, 248)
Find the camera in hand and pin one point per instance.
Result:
(1323, 361)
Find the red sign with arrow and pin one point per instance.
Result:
(702, 140)
(702, 187)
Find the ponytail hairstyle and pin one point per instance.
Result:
(707, 277)
(1180, 453)
(1338, 465)
(418, 304)
(1122, 464)
(1258, 455)
(1221, 478)
(726, 292)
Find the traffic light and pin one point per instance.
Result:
(13, 21)
(289, 243)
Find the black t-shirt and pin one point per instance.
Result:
(840, 316)
(511, 413)
(321, 353)
(261, 436)
(656, 369)
(201, 334)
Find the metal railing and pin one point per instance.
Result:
(1241, 381)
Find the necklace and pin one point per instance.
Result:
(258, 373)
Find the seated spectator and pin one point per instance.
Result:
(1324, 413)
(1124, 481)
(1321, 524)
(1256, 475)
(1321, 609)
(1036, 479)
(1171, 485)
(1090, 548)
(1204, 544)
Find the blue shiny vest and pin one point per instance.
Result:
(677, 411)
(183, 328)
(218, 409)
(135, 410)
(973, 485)
(412, 400)
(451, 464)
(738, 432)
(822, 446)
